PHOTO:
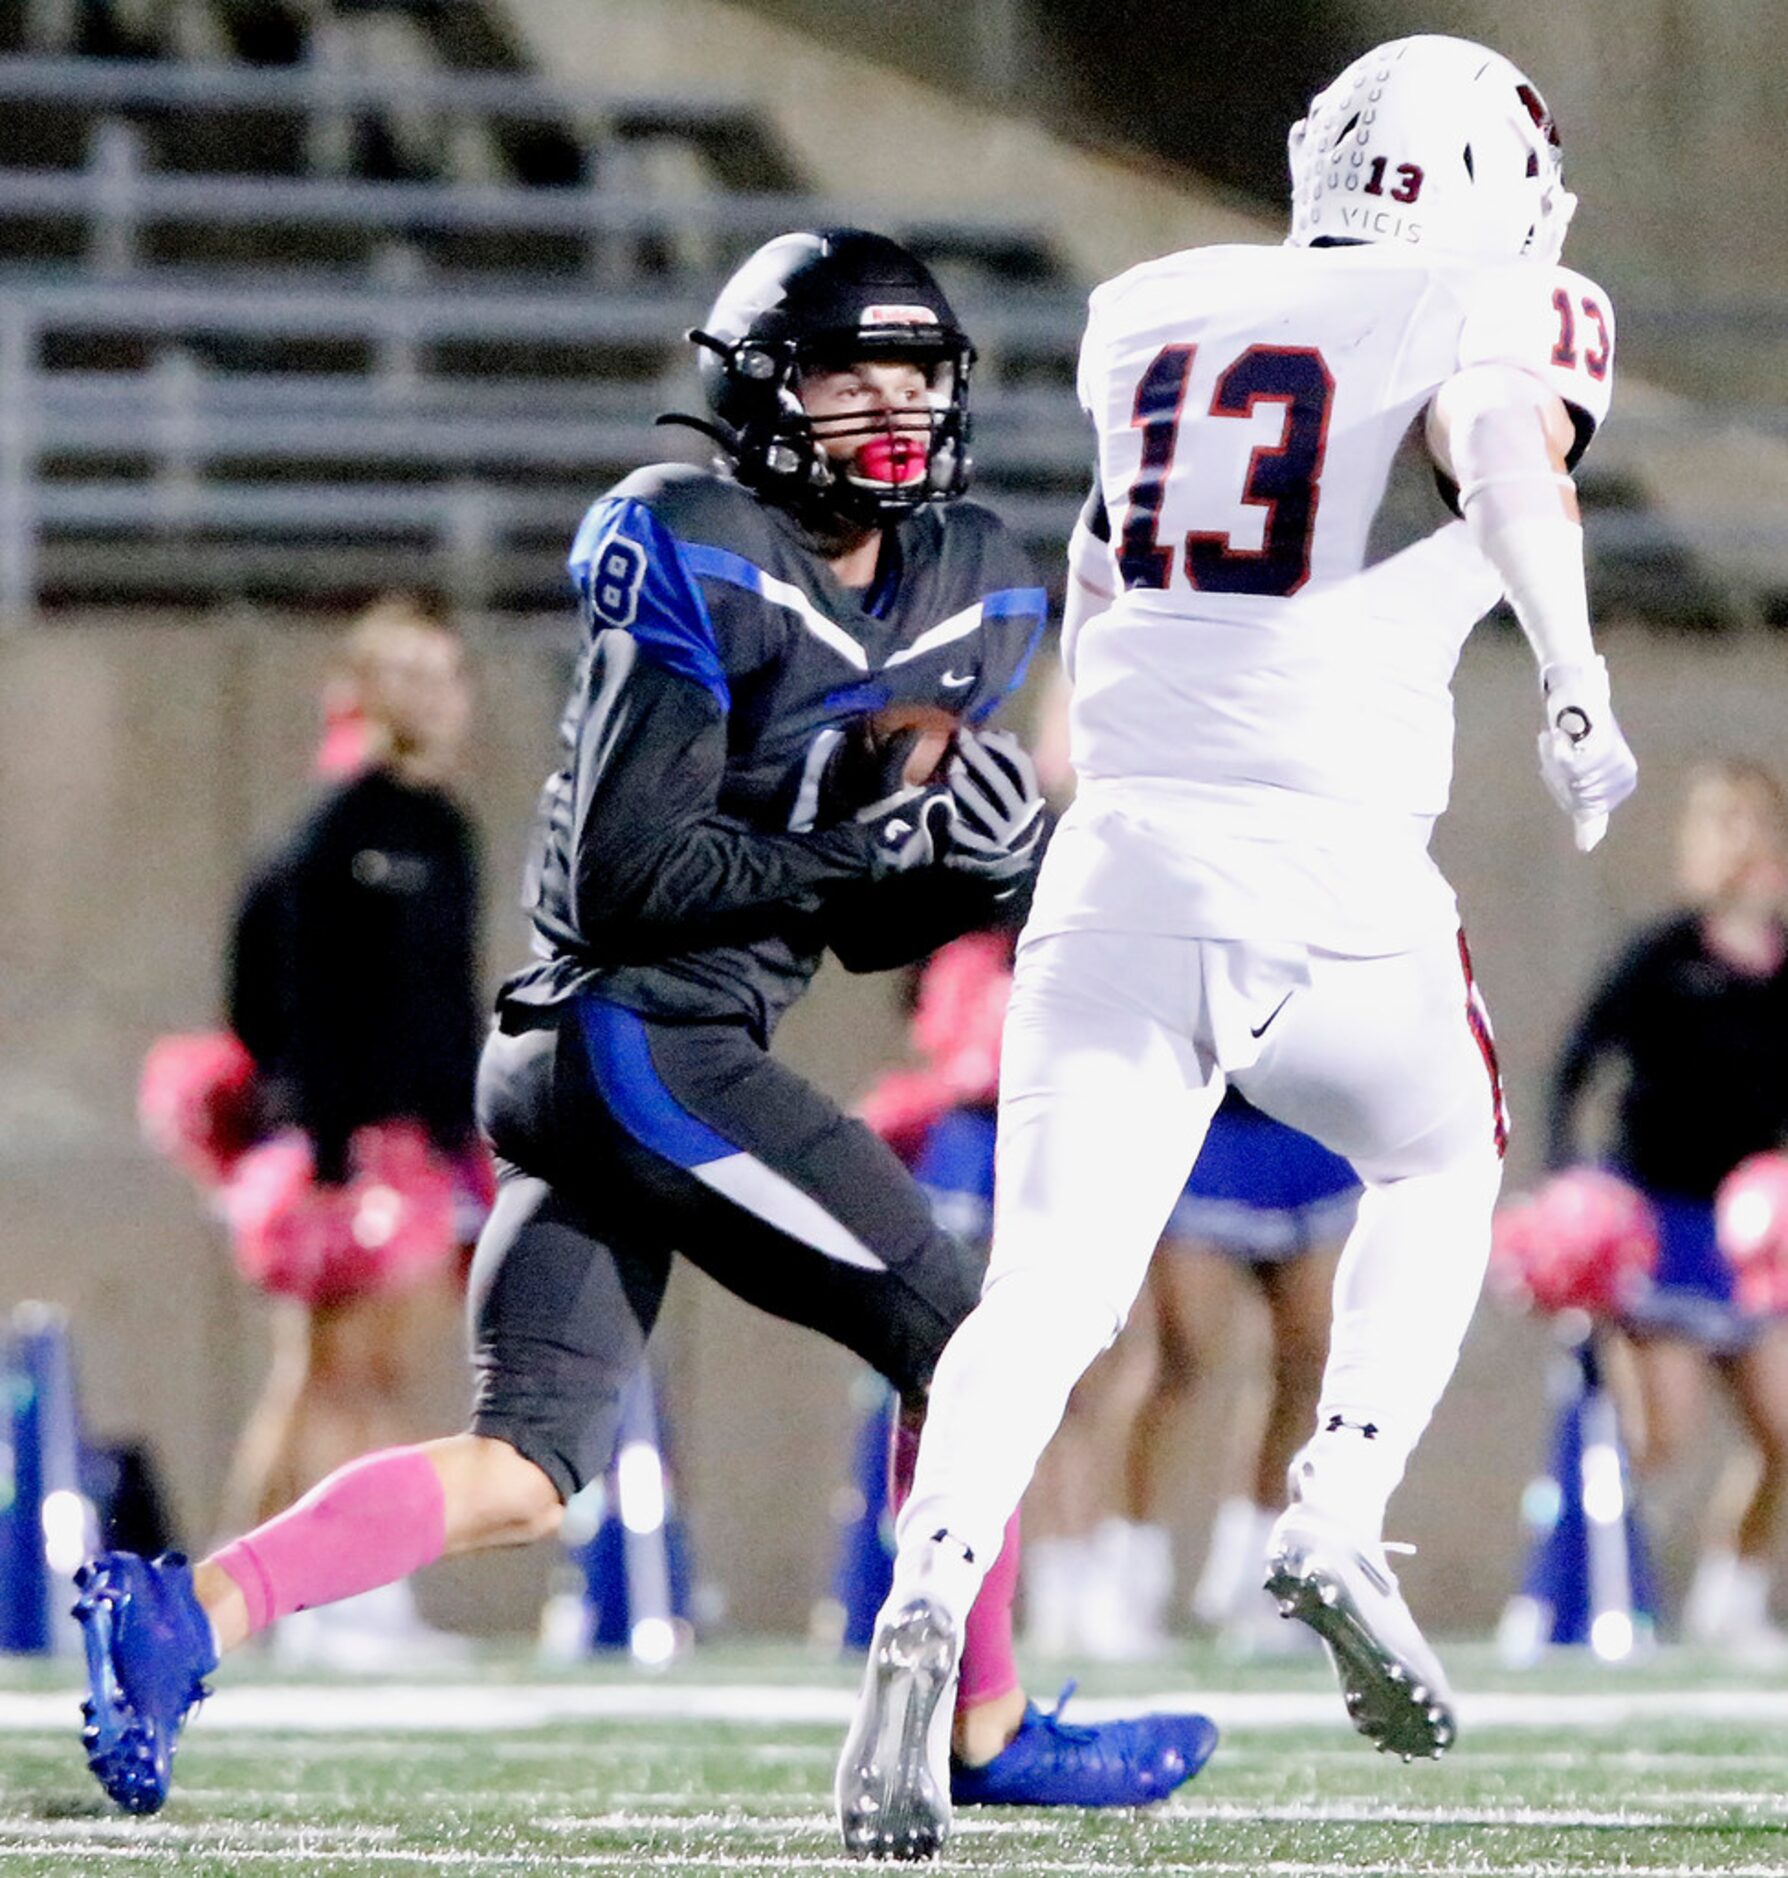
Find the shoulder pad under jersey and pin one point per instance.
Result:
(696, 504)
(1550, 321)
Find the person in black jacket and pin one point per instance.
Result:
(776, 745)
(353, 985)
(1695, 1013)
(353, 974)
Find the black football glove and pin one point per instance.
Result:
(911, 829)
(867, 763)
(998, 819)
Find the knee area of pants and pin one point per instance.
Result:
(1465, 1169)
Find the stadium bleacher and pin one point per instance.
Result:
(300, 303)
(288, 324)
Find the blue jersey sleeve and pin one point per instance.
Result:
(632, 573)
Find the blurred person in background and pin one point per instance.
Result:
(354, 987)
(775, 745)
(1694, 1016)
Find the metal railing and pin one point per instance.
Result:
(155, 429)
(323, 85)
(488, 471)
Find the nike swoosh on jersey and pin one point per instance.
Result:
(956, 680)
(1260, 1030)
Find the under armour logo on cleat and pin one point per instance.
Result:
(1336, 1423)
(944, 1535)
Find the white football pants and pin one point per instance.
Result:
(1118, 1047)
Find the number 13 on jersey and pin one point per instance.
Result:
(1283, 478)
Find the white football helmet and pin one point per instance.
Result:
(1436, 143)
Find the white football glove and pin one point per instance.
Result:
(998, 806)
(1583, 757)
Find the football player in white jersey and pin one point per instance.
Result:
(1262, 725)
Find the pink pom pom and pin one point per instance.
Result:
(902, 1107)
(1751, 1226)
(196, 1103)
(1585, 1241)
(389, 1226)
(961, 1012)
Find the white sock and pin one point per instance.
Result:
(1252, 1578)
(990, 1417)
(1747, 1612)
(1123, 1595)
(1225, 1559)
(940, 1567)
(1051, 1568)
(1405, 1292)
(1145, 1554)
(1705, 1609)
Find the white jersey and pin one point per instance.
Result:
(1262, 724)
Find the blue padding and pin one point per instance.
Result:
(621, 1057)
(1014, 603)
(868, 694)
(1252, 1159)
(721, 564)
(634, 574)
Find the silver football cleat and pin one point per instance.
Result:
(892, 1791)
(1392, 1683)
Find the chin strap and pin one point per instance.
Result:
(722, 434)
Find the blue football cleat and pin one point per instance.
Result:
(1050, 1762)
(149, 1648)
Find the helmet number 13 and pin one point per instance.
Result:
(1282, 478)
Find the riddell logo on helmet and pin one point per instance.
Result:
(1359, 220)
(899, 316)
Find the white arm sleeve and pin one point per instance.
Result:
(1501, 433)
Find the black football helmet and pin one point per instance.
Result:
(824, 300)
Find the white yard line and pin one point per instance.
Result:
(480, 1708)
(781, 1861)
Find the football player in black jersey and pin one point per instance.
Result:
(775, 745)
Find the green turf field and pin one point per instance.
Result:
(722, 1765)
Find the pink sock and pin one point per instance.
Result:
(989, 1669)
(903, 1458)
(370, 1523)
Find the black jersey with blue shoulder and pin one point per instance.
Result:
(680, 858)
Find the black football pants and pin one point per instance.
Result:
(625, 1140)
